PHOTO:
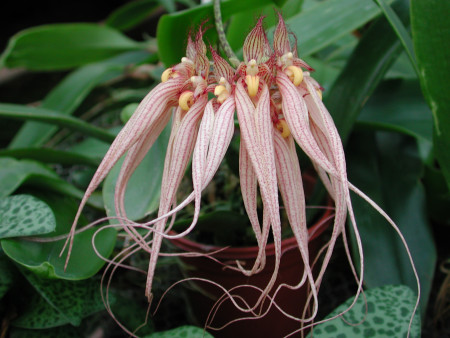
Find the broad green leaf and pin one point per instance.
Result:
(186, 331)
(21, 112)
(70, 93)
(48, 155)
(400, 30)
(388, 169)
(67, 331)
(369, 62)
(39, 314)
(143, 191)
(389, 310)
(63, 46)
(320, 25)
(69, 301)
(14, 173)
(173, 29)
(399, 106)
(25, 215)
(43, 258)
(93, 148)
(131, 14)
(431, 32)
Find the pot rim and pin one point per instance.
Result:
(248, 252)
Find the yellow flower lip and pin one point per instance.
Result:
(283, 128)
(295, 74)
(186, 100)
(252, 82)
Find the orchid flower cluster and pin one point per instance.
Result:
(278, 105)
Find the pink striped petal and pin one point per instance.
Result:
(221, 67)
(281, 43)
(296, 115)
(255, 125)
(256, 46)
(148, 111)
(291, 189)
(177, 160)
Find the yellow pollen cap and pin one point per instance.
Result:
(222, 93)
(186, 100)
(295, 74)
(283, 128)
(166, 74)
(252, 82)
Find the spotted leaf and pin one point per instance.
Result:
(25, 215)
(389, 311)
(182, 331)
(61, 302)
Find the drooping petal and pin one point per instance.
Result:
(248, 181)
(295, 112)
(220, 140)
(256, 45)
(291, 188)
(200, 155)
(174, 168)
(256, 126)
(133, 158)
(148, 111)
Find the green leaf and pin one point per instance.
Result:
(25, 215)
(186, 331)
(131, 14)
(431, 32)
(173, 29)
(66, 97)
(369, 62)
(14, 173)
(63, 46)
(319, 26)
(143, 190)
(43, 258)
(399, 106)
(47, 155)
(400, 30)
(389, 311)
(60, 302)
(67, 331)
(21, 112)
(388, 169)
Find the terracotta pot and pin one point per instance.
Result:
(274, 324)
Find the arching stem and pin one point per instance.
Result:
(222, 37)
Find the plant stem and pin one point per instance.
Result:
(222, 37)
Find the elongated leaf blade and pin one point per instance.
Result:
(369, 62)
(431, 32)
(71, 92)
(63, 46)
